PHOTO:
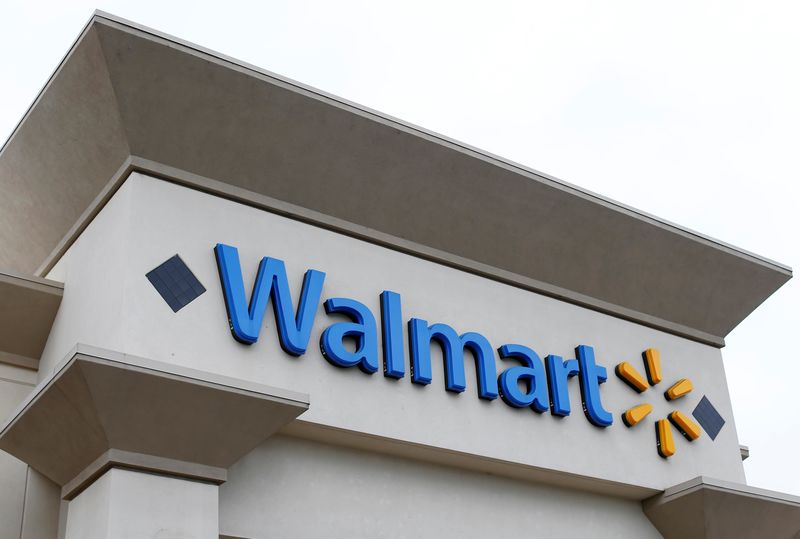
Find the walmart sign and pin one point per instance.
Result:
(544, 383)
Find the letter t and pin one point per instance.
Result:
(591, 376)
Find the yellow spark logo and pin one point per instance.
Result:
(665, 444)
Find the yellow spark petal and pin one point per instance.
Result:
(687, 427)
(652, 365)
(679, 389)
(631, 376)
(636, 414)
(664, 441)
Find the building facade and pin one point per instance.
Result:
(234, 306)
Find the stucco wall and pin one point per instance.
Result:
(289, 487)
(29, 502)
(108, 302)
(124, 504)
(15, 384)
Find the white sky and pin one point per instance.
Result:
(686, 110)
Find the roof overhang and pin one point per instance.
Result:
(128, 98)
(101, 409)
(706, 508)
(28, 306)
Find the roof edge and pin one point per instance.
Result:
(779, 267)
(291, 211)
(757, 277)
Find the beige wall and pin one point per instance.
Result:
(28, 501)
(15, 384)
(108, 302)
(124, 504)
(289, 487)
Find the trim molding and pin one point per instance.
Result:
(292, 211)
(19, 361)
(400, 448)
(116, 458)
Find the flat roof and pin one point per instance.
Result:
(129, 98)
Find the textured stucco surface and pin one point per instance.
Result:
(272, 492)
(15, 384)
(123, 504)
(108, 302)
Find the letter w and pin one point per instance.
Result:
(294, 330)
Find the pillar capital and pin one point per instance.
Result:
(102, 409)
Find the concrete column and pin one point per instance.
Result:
(42, 511)
(16, 383)
(137, 447)
(124, 504)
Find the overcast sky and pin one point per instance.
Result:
(687, 110)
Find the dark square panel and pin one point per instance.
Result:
(176, 283)
(708, 417)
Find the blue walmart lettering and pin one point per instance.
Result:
(545, 384)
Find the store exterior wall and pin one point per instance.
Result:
(29, 502)
(151, 416)
(110, 303)
(130, 504)
(15, 384)
(350, 493)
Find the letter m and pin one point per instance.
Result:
(294, 329)
(453, 346)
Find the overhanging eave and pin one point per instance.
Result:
(706, 508)
(28, 307)
(127, 94)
